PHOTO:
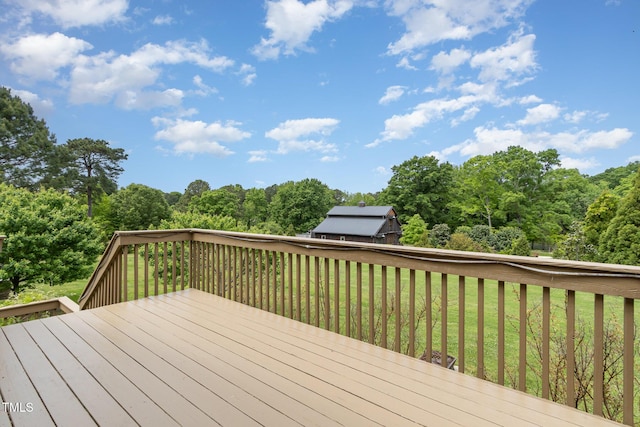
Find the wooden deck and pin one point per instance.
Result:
(192, 358)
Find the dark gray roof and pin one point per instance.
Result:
(354, 226)
(377, 211)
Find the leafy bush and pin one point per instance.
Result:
(463, 229)
(482, 235)
(440, 235)
(462, 242)
(520, 246)
(503, 239)
(414, 232)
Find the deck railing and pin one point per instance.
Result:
(562, 330)
(38, 309)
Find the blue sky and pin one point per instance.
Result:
(261, 92)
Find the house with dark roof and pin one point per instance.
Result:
(370, 224)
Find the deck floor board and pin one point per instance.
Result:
(192, 358)
(373, 395)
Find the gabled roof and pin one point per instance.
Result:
(360, 211)
(354, 226)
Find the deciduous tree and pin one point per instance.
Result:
(420, 185)
(216, 202)
(301, 205)
(195, 188)
(478, 190)
(255, 206)
(138, 207)
(620, 244)
(49, 238)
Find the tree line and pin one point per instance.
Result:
(504, 202)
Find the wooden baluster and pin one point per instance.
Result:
(428, 301)
(336, 295)
(174, 255)
(461, 313)
(136, 273)
(522, 359)
(372, 304)
(317, 291)
(359, 300)
(398, 310)
(546, 340)
(156, 278)
(571, 333)
(260, 278)
(327, 296)
(412, 313)
(165, 267)
(298, 315)
(383, 293)
(290, 280)
(183, 270)
(307, 279)
(125, 275)
(146, 270)
(501, 332)
(347, 298)
(598, 354)
(628, 362)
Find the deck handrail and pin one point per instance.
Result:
(359, 289)
(62, 304)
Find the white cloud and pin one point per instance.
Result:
(575, 116)
(530, 99)
(292, 22)
(431, 21)
(445, 63)
(468, 114)
(540, 114)
(381, 170)
(77, 13)
(257, 156)
(108, 76)
(145, 100)
(41, 56)
(194, 137)
(604, 139)
(103, 77)
(400, 127)
(490, 140)
(634, 159)
(507, 62)
(248, 74)
(404, 63)
(580, 164)
(203, 88)
(162, 20)
(293, 135)
(328, 159)
(393, 93)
